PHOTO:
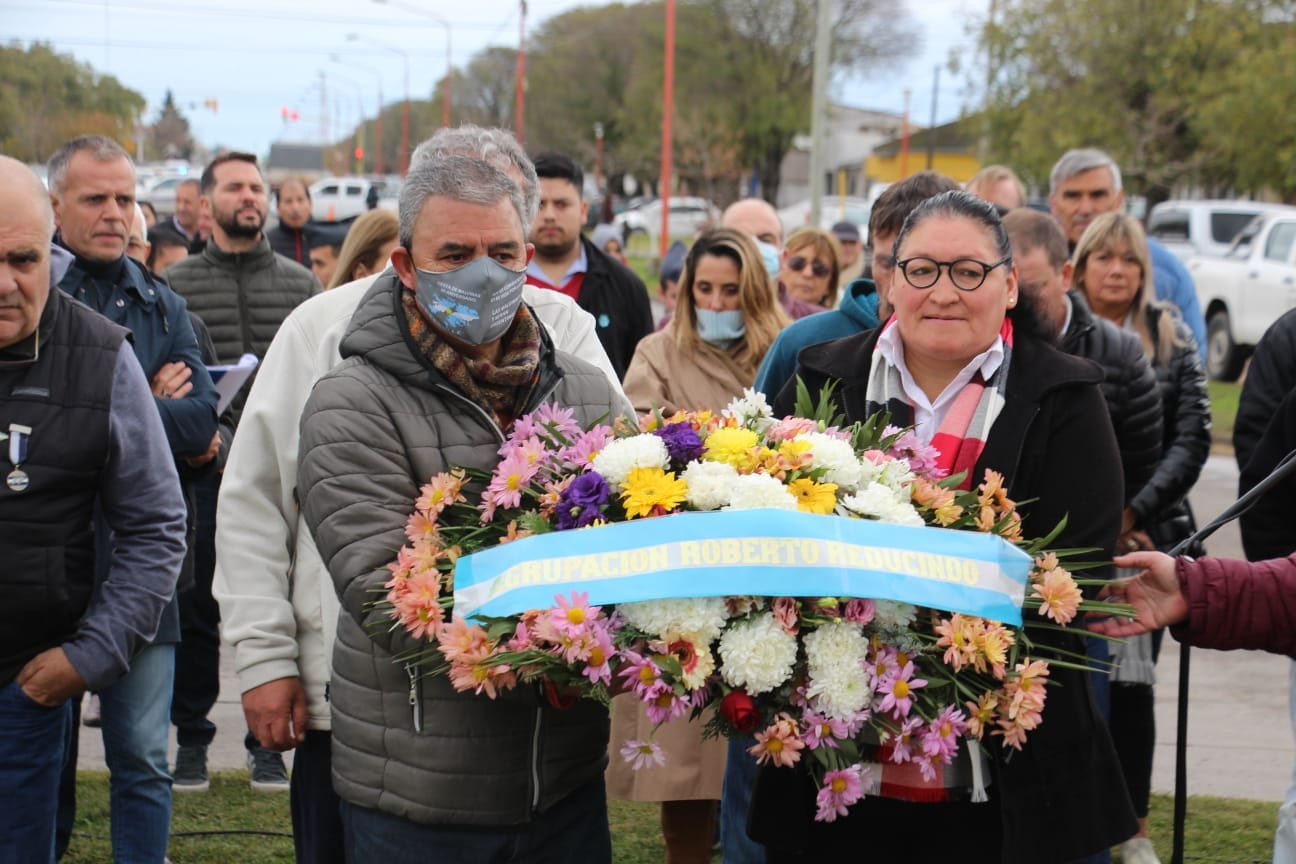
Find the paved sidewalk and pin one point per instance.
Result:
(1239, 733)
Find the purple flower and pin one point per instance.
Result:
(682, 443)
(582, 502)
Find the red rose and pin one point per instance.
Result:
(739, 709)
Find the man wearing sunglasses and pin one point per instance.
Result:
(79, 430)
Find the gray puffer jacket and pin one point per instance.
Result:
(375, 428)
(241, 297)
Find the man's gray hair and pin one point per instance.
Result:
(101, 147)
(496, 146)
(1075, 162)
(459, 178)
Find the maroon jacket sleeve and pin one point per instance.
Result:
(1239, 604)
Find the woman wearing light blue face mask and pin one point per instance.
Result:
(726, 318)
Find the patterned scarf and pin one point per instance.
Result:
(962, 433)
(502, 387)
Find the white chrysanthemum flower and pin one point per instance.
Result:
(751, 410)
(703, 617)
(751, 491)
(837, 456)
(839, 682)
(708, 484)
(881, 502)
(623, 455)
(892, 614)
(757, 654)
(897, 475)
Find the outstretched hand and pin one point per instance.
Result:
(1154, 593)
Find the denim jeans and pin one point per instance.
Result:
(573, 831)
(33, 746)
(136, 719)
(739, 781)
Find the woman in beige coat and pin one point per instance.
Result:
(726, 318)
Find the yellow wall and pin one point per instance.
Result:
(956, 166)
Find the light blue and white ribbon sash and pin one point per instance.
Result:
(749, 552)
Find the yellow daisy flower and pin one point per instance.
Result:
(648, 489)
(814, 497)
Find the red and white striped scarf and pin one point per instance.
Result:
(962, 433)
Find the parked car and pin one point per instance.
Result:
(688, 216)
(337, 199)
(833, 209)
(1246, 290)
(1202, 227)
(161, 194)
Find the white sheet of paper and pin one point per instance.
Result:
(231, 378)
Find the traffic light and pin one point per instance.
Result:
(359, 153)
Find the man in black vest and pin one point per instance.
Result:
(79, 428)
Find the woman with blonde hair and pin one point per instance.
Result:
(367, 247)
(809, 272)
(726, 318)
(1113, 272)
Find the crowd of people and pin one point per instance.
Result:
(143, 527)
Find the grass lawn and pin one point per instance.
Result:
(1224, 404)
(231, 823)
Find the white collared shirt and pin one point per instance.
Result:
(928, 414)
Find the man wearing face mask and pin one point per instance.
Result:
(445, 340)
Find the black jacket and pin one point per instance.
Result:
(293, 243)
(1269, 378)
(618, 300)
(1129, 386)
(1063, 796)
(1161, 506)
(1265, 432)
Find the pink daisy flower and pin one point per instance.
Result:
(940, 740)
(839, 791)
(898, 691)
(823, 731)
(902, 745)
(642, 754)
(573, 618)
(666, 706)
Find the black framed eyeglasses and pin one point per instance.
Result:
(797, 263)
(967, 274)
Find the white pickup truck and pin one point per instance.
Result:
(1245, 291)
(337, 199)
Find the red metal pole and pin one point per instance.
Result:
(668, 108)
(904, 139)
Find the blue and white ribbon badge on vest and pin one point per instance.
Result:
(749, 552)
(17, 479)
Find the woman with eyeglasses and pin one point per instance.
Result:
(1113, 272)
(726, 317)
(808, 272)
(965, 362)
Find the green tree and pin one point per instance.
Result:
(169, 136)
(47, 98)
(1175, 90)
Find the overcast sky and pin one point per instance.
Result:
(255, 57)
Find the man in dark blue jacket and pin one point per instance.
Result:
(92, 184)
(78, 437)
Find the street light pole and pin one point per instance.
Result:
(405, 109)
(379, 165)
(668, 108)
(445, 87)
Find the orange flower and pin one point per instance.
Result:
(1058, 594)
